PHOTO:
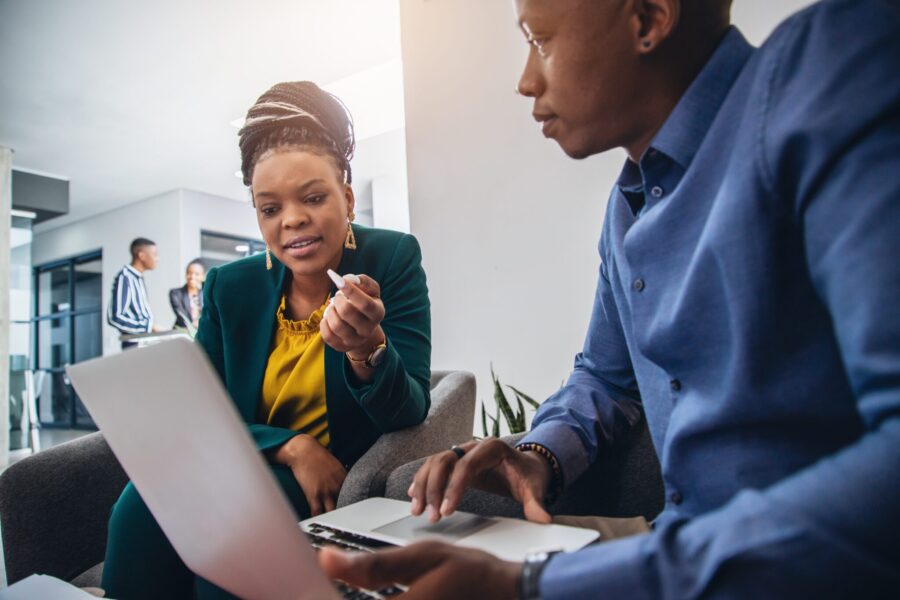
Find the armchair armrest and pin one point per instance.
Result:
(449, 421)
(54, 508)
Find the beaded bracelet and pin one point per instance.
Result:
(556, 482)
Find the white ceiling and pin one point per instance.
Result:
(128, 100)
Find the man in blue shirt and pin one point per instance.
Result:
(748, 301)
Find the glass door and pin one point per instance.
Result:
(68, 329)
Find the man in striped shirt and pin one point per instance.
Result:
(129, 309)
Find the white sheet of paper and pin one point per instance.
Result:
(43, 586)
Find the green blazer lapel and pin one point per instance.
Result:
(260, 319)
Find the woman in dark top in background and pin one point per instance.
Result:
(187, 301)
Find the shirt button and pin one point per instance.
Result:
(675, 385)
(656, 191)
(676, 498)
(639, 285)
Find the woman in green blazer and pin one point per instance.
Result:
(318, 364)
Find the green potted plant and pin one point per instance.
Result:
(513, 416)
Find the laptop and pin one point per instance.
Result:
(179, 437)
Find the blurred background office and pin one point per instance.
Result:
(120, 120)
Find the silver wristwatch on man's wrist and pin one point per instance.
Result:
(530, 579)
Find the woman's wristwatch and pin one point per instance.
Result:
(375, 358)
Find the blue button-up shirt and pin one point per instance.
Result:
(749, 302)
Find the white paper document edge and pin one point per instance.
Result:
(43, 586)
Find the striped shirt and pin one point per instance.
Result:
(129, 309)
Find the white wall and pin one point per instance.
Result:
(757, 18)
(173, 220)
(211, 213)
(508, 225)
(390, 203)
(379, 180)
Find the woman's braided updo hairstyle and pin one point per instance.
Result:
(297, 114)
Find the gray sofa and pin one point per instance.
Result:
(54, 505)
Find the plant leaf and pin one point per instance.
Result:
(484, 428)
(503, 406)
(534, 404)
(520, 415)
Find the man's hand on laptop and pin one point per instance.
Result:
(490, 465)
(319, 474)
(431, 570)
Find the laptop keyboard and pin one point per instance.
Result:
(352, 593)
(322, 535)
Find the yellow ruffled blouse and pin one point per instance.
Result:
(293, 391)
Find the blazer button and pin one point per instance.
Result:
(639, 285)
(676, 498)
(675, 385)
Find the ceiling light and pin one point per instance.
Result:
(238, 174)
(242, 248)
(27, 214)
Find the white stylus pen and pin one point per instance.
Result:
(339, 283)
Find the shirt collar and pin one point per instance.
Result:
(631, 185)
(684, 130)
(135, 271)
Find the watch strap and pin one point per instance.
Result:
(368, 360)
(530, 579)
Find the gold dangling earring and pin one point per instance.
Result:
(350, 241)
(268, 259)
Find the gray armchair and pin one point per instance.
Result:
(54, 506)
(450, 419)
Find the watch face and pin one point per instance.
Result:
(377, 356)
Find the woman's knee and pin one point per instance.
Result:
(140, 561)
(129, 513)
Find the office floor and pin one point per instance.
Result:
(48, 438)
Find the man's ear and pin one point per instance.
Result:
(653, 22)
